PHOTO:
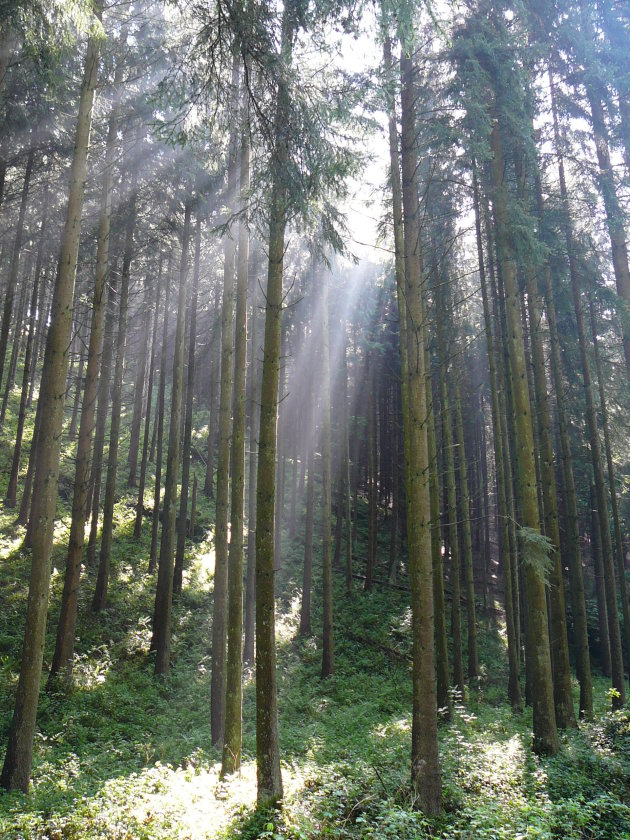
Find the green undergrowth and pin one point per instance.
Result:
(125, 755)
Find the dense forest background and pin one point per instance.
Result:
(314, 419)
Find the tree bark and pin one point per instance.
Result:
(64, 645)
(18, 759)
(514, 692)
(234, 663)
(5, 325)
(137, 528)
(159, 422)
(102, 580)
(161, 639)
(328, 659)
(267, 750)
(182, 522)
(29, 368)
(219, 610)
(138, 391)
(537, 630)
(254, 387)
(425, 769)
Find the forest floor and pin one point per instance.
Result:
(126, 755)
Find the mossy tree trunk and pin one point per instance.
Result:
(425, 768)
(64, 646)
(619, 549)
(617, 675)
(537, 629)
(16, 770)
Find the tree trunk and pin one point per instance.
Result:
(138, 391)
(328, 661)
(537, 631)
(307, 572)
(618, 680)
(619, 551)
(64, 646)
(161, 639)
(234, 663)
(464, 506)
(102, 580)
(219, 610)
(600, 586)
(17, 763)
(514, 692)
(254, 387)
(425, 769)
(159, 422)
(371, 391)
(451, 493)
(182, 523)
(267, 750)
(12, 283)
(29, 368)
(137, 528)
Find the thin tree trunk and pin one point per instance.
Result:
(328, 660)
(138, 393)
(94, 489)
(537, 631)
(514, 692)
(182, 522)
(219, 611)
(102, 580)
(161, 639)
(473, 657)
(617, 675)
(208, 488)
(307, 571)
(612, 206)
(29, 369)
(193, 508)
(254, 387)
(12, 283)
(137, 528)
(159, 422)
(600, 586)
(441, 642)
(451, 494)
(234, 663)
(25, 505)
(371, 390)
(425, 768)
(619, 553)
(78, 389)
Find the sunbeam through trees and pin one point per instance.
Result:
(314, 419)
